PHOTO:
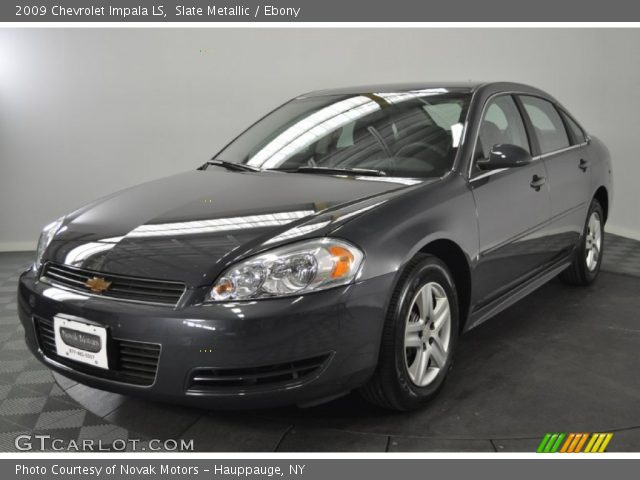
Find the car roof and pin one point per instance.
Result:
(458, 87)
(395, 88)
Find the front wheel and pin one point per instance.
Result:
(588, 256)
(419, 337)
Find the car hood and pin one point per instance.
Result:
(189, 227)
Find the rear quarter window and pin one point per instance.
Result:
(578, 134)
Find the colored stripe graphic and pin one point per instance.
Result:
(556, 445)
(543, 443)
(552, 440)
(568, 443)
(574, 442)
(598, 442)
(551, 443)
(583, 440)
(592, 440)
(605, 443)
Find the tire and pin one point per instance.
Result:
(398, 383)
(583, 270)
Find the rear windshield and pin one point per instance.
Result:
(409, 134)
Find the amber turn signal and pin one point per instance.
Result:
(343, 259)
(224, 288)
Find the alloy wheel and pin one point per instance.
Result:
(593, 242)
(427, 334)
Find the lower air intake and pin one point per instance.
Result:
(282, 374)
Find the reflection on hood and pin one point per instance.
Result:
(184, 228)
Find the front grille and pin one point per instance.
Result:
(129, 361)
(283, 374)
(121, 288)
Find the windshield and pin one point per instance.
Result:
(409, 134)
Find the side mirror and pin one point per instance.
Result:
(505, 156)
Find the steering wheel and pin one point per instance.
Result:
(428, 146)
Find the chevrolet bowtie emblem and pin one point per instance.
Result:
(97, 284)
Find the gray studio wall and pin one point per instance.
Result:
(87, 112)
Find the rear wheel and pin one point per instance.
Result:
(588, 256)
(419, 337)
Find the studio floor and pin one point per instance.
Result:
(565, 359)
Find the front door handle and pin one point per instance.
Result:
(537, 182)
(584, 164)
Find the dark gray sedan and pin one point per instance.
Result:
(344, 241)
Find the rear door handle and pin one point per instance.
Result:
(584, 164)
(537, 182)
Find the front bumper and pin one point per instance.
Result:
(342, 325)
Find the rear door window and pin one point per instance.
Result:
(550, 130)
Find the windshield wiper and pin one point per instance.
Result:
(241, 167)
(236, 167)
(336, 171)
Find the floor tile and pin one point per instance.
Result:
(420, 444)
(64, 382)
(153, 419)
(625, 441)
(235, 433)
(325, 440)
(96, 401)
(18, 406)
(527, 445)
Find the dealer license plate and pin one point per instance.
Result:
(81, 342)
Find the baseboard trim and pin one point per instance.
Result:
(623, 232)
(18, 246)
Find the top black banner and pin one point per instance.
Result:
(318, 11)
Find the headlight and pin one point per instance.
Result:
(302, 267)
(45, 239)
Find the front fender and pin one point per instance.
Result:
(396, 231)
